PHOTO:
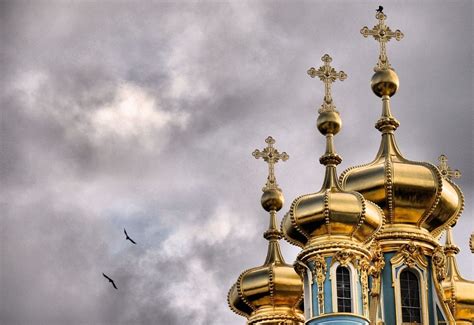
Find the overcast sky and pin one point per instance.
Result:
(144, 116)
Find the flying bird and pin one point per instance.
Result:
(110, 280)
(380, 9)
(128, 238)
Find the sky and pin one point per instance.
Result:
(126, 114)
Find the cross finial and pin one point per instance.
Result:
(271, 156)
(382, 33)
(328, 75)
(445, 170)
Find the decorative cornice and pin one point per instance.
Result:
(410, 254)
(280, 318)
(329, 248)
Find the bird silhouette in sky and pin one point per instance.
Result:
(110, 280)
(128, 238)
(380, 9)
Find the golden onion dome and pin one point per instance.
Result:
(332, 215)
(459, 292)
(415, 196)
(270, 294)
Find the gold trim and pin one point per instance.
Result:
(319, 276)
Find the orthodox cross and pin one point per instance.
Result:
(445, 170)
(382, 33)
(271, 156)
(328, 75)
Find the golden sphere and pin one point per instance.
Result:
(272, 199)
(329, 122)
(385, 82)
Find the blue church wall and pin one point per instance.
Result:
(387, 291)
(338, 319)
(327, 289)
(431, 297)
(359, 298)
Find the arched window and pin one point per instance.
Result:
(343, 286)
(410, 297)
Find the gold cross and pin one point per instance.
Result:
(445, 170)
(382, 33)
(271, 156)
(328, 75)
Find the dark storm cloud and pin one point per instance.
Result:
(144, 116)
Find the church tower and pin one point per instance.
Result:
(419, 201)
(368, 239)
(271, 294)
(334, 228)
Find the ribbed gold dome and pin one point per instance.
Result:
(271, 294)
(332, 215)
(415, 196)
(268, 294)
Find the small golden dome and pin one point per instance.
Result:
(385, 82)
(268, 293)
(331, 214)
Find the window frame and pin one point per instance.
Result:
(409, 272)
(354, 282)
(421, 274)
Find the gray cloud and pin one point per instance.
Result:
(144, 116)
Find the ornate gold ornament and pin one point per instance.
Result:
(344, 257)
(377, 263)
(410, 254)
(364, 266)
(271, 156)
(471, 242)
(445, 170)
(319, 276)
(328, 75)
(383, 34)
(439, 263)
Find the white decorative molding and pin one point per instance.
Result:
(307, 289)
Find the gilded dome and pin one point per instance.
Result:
(331, 215)
(270, 294)
(411, 194)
